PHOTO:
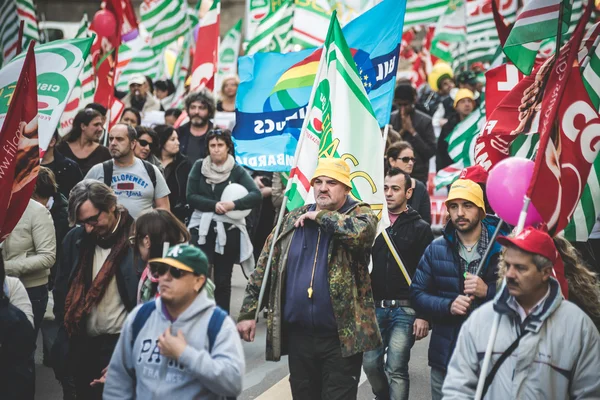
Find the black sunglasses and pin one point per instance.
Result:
(406, 160)
(159, 269)
(217, 132)
(145, 143)
(91, 220)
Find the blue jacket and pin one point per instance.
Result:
(438, 281)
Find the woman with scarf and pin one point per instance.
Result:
(222, 237)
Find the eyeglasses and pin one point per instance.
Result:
(91, 220)
(145, 143)
(158, 270)
(406, 160)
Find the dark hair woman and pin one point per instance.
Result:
(82, 144)
(209, 179)
(153, 229)
(146, 145)
(401, 155)
(132, 117)
(176, 170)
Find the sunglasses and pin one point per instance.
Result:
(406, 160)
(145, 143)
(91, 220)
(158, 270)
(218, 132)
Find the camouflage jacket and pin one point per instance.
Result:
(349, 280)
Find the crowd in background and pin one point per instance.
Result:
(178, 185)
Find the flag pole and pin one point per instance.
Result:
(465, 45)
(489, 248)
(20, 37)
(496, 324)
(288, 185)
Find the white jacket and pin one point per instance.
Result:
(30, 249)
(559, 357)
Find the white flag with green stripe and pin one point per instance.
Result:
(340, 124)
(181, 72)
(165, 21)
(229, 50)
(27, 14)
(450, 28)
(137, 57)
(537, 21)
(590, 74)
(423, 12)
(461, 146)
(274, 32)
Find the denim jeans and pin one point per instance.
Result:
(390, 381)
(437, 382)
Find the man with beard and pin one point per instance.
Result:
(96, 285)
(446, 287)
(139, 97)
(137, 184)
(200, 108)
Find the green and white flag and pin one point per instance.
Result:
(137, 57)
(27, 14)
(451, 28)
(537, 21)
(229, 50)
(423, 12)
(274, 32)
(58, 64)
(461, 146)
(591, 74)
(181, 71)
(165, 21)
(340, 124)
(587, 209)
(83, 92)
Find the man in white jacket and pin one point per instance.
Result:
(181, 345)
(546, 347)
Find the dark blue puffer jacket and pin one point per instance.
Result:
(438, 281)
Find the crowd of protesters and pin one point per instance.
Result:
(124, 257)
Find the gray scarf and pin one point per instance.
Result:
(215, 174)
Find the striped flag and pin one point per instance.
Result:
(537, 21)
(137, 57)
(229, 51)
(423, 12)
(181, 71)
(461, 146)
(165, 21)
(591, 74)
(450, 28)
(9, 30)
(341, 124)
(274, 32)
(27, 14)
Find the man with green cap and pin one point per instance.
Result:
(447, 286)
(319, 298)
(181, 345)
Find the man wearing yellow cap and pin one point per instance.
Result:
(464, 104)
(319, 299)
(447, 286)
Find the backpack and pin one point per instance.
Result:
(108, 172)
(214, 325)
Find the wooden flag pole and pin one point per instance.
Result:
(20, 37)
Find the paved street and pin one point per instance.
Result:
(263, 380)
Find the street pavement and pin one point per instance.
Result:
(263, 380)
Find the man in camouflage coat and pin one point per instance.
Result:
(319, 299)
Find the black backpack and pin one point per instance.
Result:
(108, 172)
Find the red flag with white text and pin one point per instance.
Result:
(20, 156)
(207, 50)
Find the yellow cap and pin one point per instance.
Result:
(463, 94)
(466, 189)
(440, 70)
(334, 168)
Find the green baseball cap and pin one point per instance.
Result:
(185, 257)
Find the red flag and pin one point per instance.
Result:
(502, 27)
(207, 50)
(20, 156)
(568, 148)
(499, 82)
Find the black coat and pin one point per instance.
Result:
(411, 236)
(176, 175)
(66, 171)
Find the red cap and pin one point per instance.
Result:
(476, 173)
(539, 242)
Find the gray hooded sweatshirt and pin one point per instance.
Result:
(141, 372)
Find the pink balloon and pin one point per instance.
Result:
(506, 187)
(105, 23)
